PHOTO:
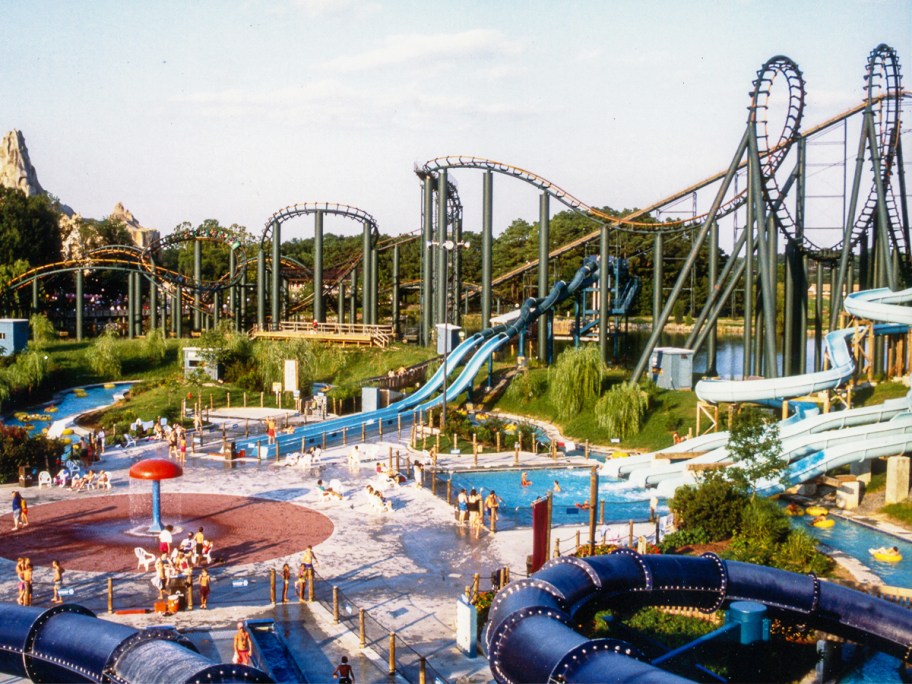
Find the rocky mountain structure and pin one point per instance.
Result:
(17, 171)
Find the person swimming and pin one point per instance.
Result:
(556, 486)
(524, 480)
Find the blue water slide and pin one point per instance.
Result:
(529, 636)
(490, 340)
(67, 643)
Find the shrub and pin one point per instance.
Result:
(526, 386)
(798, 553)
(103, 357)
(689, 537)
(18, 449)
(713, 506)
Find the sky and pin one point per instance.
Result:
(232, 110)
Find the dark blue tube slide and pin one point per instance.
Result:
(530, 637)
(67, 643)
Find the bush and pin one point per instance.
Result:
(798, 553)
(526, 386)
(18, 449)
(714, 506)
(675, 540)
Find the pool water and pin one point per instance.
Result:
(855, 540)
(623, 501)
(69, 405)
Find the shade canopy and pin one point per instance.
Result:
(155, 469)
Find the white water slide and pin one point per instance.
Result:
(812, 445)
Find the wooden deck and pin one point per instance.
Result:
(354, 334)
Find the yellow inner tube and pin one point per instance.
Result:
(816, 510)
(826, 522)
(886, 556)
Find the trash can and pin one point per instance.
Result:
(230, 451)
(25, 476)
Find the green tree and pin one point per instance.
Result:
(713, 505)
(756, 451)
(103, 356)
(154, 346)
(622, 409)
(28, 228)
(575, 380)
(42, 331)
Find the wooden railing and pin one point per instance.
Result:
(376, 335)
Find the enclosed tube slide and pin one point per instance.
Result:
(67, 643)
(530, 637)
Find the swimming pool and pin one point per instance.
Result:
(70, 404)
(623, 501)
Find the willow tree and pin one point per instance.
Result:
(575, 380)
(621, 410)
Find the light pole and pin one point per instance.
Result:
(448, 246)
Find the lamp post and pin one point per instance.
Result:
(448, 246)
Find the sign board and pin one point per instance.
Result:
(64, 591)
(276, 387)
(466, 626)
(291, 375)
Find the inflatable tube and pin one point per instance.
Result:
(529, 636)
(816, 510)
(886, 555)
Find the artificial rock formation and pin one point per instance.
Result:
(17, 171)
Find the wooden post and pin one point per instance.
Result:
(189, 586)
(344, 435)
(389, 460)
(361, 630)
(438, 441)
(392, 657)
(335, 605)
(577, 540)
(324, 441)
(449, 491)
(398, 426)
(110, 594)
(228, 399)
(455, 441)
(310, 585)
(272, 586)
(246, 427)
(397, 461)
(498, 441)
(630, 540)
(516, 454)
(277, 450)
(245, 398)
(261, 400)
(363, 432)
(422, 670)
(602, 512)
(557, 548)
(587, 449)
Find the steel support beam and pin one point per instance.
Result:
(197, 278)
(319, 311)
(441, 286)
(80, 304)
(276, 289)
(544, 244)
(427, 271)
(261, 289)
(487, 241)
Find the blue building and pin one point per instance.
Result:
(14, 335)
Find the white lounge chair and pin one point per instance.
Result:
(45, 479)
(144, 558)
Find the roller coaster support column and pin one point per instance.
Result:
(353, 298)
(261, 289)
(375, 285)
(713, 284)
(341, 303)
(153, 306)
(883, 219)
(457, 272)
(658, 276)
(79, 304)
(441, 287)
(34, 296)
(395, 293)
(544, 244)
(793, 360)
(766, 258)
(604, 293)
(487, 239)
(276, 289)
(131, 304)
(197, 277)
(366, 280)
(818, 319)
(233, 290)
(319, 312)
(683, 277)
(427, 235)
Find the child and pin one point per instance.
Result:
(204, 581)
(58, 581)
(286, 577)
(301, 582)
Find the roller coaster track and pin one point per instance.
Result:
(883, 93)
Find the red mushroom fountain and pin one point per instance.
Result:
(156, 469)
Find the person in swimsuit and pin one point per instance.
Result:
(58, 581)
(462, 505)
(524, 480)
(241, 645)
(344, 672)
(205, 582)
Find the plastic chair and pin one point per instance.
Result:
(45, 479)
(143, 558)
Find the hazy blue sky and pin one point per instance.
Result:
(233, 110)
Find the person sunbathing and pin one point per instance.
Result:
(327, 491)
(84, 483)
